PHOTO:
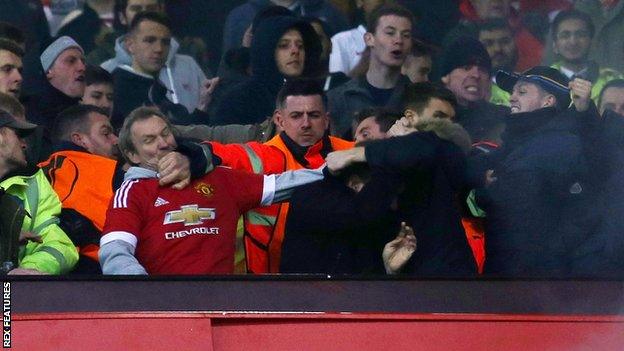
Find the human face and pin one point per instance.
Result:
(391, 41)
(469, 84)
(435, 108)
(488, 9)
(10, 73)
(100, 139)
(612, 99)
(368, 129)
(100, 95)
(135, 6)
(67, 73)
(501, 47)
(303, 119)
(12, 150)
(438, 108)
(572, 41)
(417, 68)
(527, 97)
(149, 46)
(152, 139)
(290, 54)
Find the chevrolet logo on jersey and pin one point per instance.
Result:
(189, 215)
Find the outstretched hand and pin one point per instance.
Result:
(398, 251)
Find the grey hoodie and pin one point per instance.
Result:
(181, 75)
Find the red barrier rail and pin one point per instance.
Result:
(314, 331)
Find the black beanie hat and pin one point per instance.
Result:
(465, 51)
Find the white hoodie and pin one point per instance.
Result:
(181, 74)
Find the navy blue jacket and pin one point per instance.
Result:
(531, 227)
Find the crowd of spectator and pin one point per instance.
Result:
(463, 139)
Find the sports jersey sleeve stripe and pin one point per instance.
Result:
(121, 196)
(268, 190)
(119, 235)
(118, 193)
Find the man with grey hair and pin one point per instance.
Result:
(63, 65)
(155, 230)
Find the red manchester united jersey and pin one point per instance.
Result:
(189, 231)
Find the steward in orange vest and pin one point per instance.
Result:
(84, 183)
(264, 226)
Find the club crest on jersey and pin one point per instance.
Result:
(190, 215)
(204, 189)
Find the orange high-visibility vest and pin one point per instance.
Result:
(83, 182)
(264, 226)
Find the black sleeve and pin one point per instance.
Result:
(200, 156)
(118, 176)
(79, 228)
(416, 150)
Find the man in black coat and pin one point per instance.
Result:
(431, 163)
(535, 188)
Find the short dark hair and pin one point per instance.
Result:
(494, 24)
(11, 105)
(387, 10)
(11, 32)
(572, 14)
(119, 9)
(152, 16)
(417, 96)
(73, 119)
(300, 87)
(97, 75)
(616, 83)
(383, 116)
(138, 114)
(11, 46)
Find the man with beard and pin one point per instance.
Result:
(389, 39)
(465, 70)
(84, 171)
(46, 249)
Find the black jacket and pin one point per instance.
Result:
(532, 206)
(84, 29)
(484, 121)
(433, 166)
(331, 229)
(253, 101)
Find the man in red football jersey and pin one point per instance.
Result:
(156, 230)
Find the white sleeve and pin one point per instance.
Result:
(279, 187)
(336, 63)
(117, 257)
